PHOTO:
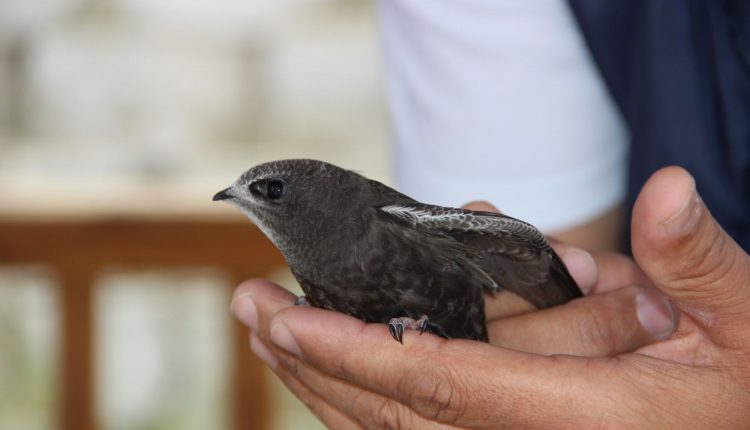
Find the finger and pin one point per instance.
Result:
(318, 392)
(254, 302)
(481, 206)
(581, 265)
(615, 271)
(273, 297)
(438, 379)
(599, 325)
(331, 416)
(505, 304)
(688, 256)
(598, 272)
(369, 410)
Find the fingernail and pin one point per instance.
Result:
(244, 309)
(581, 266)
(655, 314)
(259, 349)
(282, 337)
(686, 218)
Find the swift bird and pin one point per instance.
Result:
(359, 247)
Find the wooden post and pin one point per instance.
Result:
(77, 397)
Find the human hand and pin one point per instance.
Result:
(597, 325)
(352, 378)
(616, 316)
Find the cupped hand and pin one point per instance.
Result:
(621, 312)
(353, 376)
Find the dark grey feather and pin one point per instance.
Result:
(359, 247)
(513, 253)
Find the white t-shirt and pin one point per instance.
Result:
(500, 100)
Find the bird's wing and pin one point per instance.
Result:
(507, 252)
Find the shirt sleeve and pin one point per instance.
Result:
(500, 100)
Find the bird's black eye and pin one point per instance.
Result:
(275, 189)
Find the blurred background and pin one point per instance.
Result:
(119, 119)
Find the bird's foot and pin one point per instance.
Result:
(301, 301)
(396, 327)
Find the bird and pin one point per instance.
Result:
(359, 247)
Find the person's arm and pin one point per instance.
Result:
(352, 376)
(602, 233)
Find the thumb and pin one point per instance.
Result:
(688, 256)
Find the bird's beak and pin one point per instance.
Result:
(223, 194)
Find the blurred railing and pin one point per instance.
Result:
(78, 249)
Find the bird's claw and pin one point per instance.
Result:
(396, 326)
(301, 301)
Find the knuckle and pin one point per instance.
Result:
(712, 267)
(292, 365)
(388, 417)
(707, 259)
(437, 394)
(599, 331)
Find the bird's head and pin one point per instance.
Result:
(292, 200)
